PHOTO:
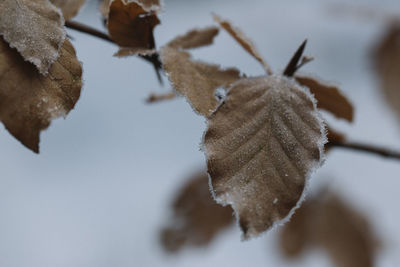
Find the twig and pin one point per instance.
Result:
(153, 98)
(153, 59)
(88, 30)
(366, 148)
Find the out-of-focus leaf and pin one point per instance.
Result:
(387, 60)
(34, 28)
(197, 218)
(295, 235)
(194, 38)
(328, 222)
(345, 234)
(29, 100)
(131, 27)
(197, 81)
(69, 8)
(262, 143)
(241, 38)
(329, 98)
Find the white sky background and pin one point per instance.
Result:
(99, 192)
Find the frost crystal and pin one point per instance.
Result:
(34, 28)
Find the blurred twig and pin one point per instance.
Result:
(160, 97)
(366, 148)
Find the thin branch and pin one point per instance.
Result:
(153, 98)
(88, 30)
(366, 148)
(153, 59)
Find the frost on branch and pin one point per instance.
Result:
(69, 8)
(328, 222)
(131, 25)
(34, 28)
(197, 218)
(29, 100)
(387, 59)
(262, 144)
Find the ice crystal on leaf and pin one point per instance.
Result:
(34, 28)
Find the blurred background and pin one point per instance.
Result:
(101, 189)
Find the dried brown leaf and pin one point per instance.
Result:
(295, 236)
(69, 8)
(328, 222)
(262, 143)
(387, 60)
(329, 98)
(245, 42)
(28, 100)
(197, 218)
(131, 26)
(197, 81)
(194, 38)
(345, 234)
(148, 5)
(34, 28)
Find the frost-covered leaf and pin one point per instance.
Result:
(387, 59)
(194, 38)
(29, 100)
(329, 98)
(197, 219)
(328, 222)
(195, 80)
(148, 5)
(131, 27)
(262, 143)
(241, 38)
(69, 8)
(34, 28)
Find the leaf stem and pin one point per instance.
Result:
(366, 148)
